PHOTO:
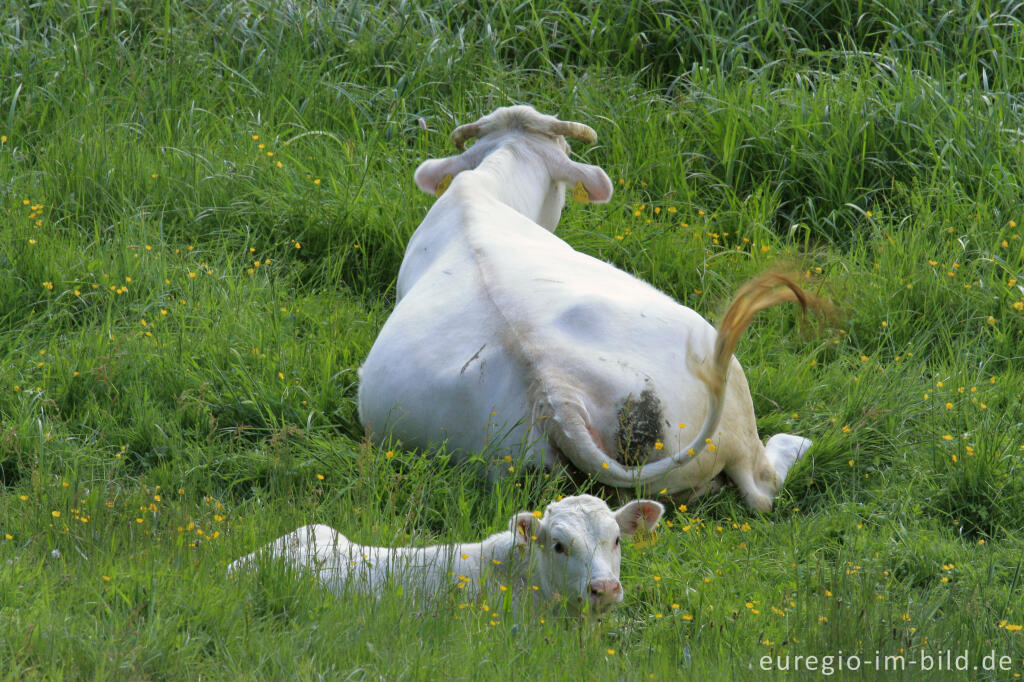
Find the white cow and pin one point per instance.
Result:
(504, 337)
(572, 552)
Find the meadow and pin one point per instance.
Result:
(204, 208)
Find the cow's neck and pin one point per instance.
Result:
(518, 177)
(494, 556)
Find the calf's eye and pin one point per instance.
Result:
(559, 548)
(616, 542)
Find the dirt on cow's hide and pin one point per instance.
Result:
(639, 428)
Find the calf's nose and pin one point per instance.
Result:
(605, 591)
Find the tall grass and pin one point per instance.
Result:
(205, 207)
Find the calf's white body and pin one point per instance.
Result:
(572, 552)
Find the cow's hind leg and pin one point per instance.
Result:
(761, 475)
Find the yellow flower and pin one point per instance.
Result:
(604, 465)
(55, 514)
(48, 285)
(658, 445)
(389, 454)
(319, 477)
(317, 181)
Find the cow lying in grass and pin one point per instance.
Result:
(573, 552)
(504, 337)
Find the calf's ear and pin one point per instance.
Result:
(525, 527)
(637, 514)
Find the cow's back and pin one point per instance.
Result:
(492, 310)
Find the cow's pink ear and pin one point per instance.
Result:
(638, 514)
(589, 183)
(524, 526)
(434, 175)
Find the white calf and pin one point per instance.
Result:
(572, 552)
(503, 336)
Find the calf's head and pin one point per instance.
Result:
(575, 547)
(545, 170)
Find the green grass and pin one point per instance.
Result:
(205, 206)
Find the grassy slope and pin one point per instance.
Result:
(204, 212)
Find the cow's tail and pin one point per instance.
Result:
(564, 417)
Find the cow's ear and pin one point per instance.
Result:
(638, 514)
(525, 527)
(588, 183)
(434, 175)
